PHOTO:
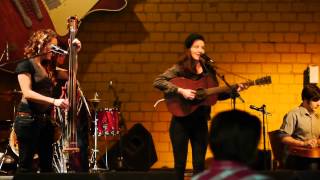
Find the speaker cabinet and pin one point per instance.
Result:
(136, 149)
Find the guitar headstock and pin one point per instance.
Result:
(263, 80)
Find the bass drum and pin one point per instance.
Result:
(13, 140)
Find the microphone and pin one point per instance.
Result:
(261, 109)
(58, 50)
(110, 84)
(206, 58)
(255, 108)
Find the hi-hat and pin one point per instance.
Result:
(95, 98)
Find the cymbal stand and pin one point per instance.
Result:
(93, 160)
(6, 60)
(5, 52)
(2, 158)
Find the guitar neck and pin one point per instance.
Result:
(224, 89)
(217, 90)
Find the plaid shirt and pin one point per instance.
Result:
(228, 170)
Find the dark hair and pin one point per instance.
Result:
(234, 135)
(187, 63)
(191, 38)
(310, 92)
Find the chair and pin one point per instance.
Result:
(278, 149)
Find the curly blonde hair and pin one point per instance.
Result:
(37, 41)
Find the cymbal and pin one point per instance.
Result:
(10, 95)
(94, 100)
(6, 123)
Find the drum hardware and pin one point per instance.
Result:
(5, 52)
(93, 160)
(10, 96)
(2, 159)
(5, 158)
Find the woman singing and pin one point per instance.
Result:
(194, 126)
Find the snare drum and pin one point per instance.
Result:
(108, 122)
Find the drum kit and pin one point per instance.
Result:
(9, 154)
(106, 123)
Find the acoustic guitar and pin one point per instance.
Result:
(206, 94)
(59, 10)
(304, 151)
(20, 18)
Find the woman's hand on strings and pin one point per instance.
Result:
(62, 103)
(241, 87)
(187, 93)
(77, 43)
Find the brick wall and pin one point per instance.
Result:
(247, 37)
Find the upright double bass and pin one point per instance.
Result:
(70, 152)
(67, 146)
(70, 144)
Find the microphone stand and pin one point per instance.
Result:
(117, 104)
(233, 94)
(27, 58)
(263, 110)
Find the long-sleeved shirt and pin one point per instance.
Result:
(162, 82)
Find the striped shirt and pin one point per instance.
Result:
(228, 170)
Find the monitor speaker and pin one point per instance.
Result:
(134, 151)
